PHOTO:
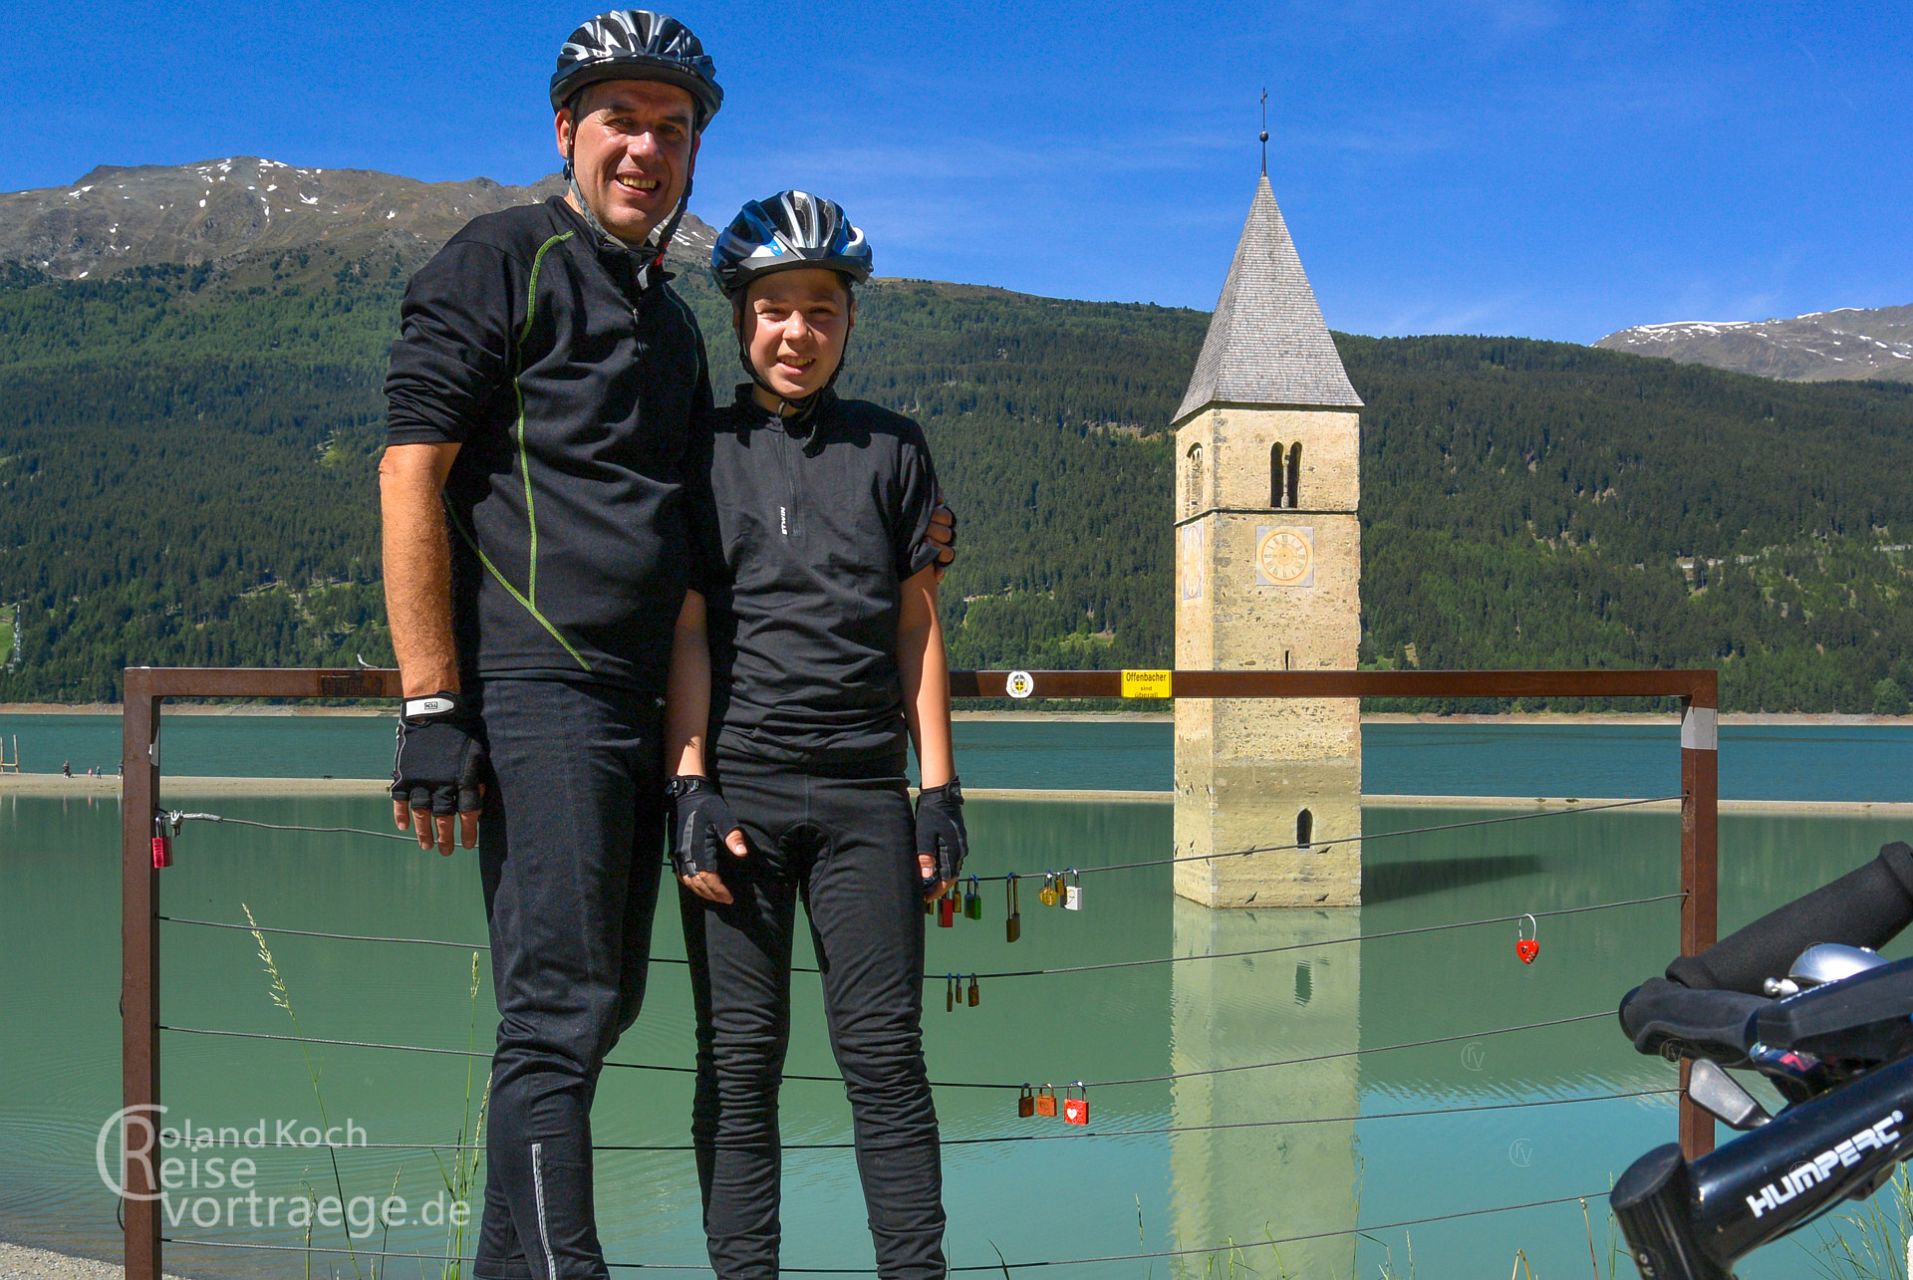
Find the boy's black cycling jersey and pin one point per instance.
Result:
(805, 532)
(571, 391)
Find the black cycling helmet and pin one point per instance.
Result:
(789, 229)
(635, 44)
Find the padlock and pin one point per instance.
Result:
(929, 906)
(976, 997)
(973, 904)
(1012, 923)
(946, 911)
(1076, 1110)
(1047, 896)
(949, 993)
(1026, 1103)
(1073, 891)
(162, 844)
(1527, 944)
(1046, 1101)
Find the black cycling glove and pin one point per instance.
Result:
(699, 822)
(440, 762)
(940, 830)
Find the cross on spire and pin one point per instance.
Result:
(1265, 131)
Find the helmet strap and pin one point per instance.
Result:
(805, 406)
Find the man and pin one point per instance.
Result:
(541, 395)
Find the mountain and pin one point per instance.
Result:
(1821, 346)
(232, 210)
(187, 457)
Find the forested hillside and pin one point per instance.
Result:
(187, 476)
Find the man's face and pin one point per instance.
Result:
(794, 325)
(632, 148)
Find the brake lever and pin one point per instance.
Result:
(1722, 1097)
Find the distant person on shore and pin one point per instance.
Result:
(66, 768)
(540, 402)
(808, 655)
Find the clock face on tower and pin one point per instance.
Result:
(1285, 556)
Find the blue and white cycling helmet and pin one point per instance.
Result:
(636, 44)
(788, 230)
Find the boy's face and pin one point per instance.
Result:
(793, 325)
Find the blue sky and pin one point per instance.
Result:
(1483, 166)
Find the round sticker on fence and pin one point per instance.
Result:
(1021, 684)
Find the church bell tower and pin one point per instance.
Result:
(1268, 577)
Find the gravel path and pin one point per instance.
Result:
(20, 1263)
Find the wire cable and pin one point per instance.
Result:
(941, 1084)
(994, 1267)
(933, 978)
(1071, 1135)
(176, 817)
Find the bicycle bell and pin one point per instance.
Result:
(1823, 963)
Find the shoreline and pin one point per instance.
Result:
(26, 1262)
(1836, 719)
(47, 785)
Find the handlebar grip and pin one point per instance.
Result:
(1666, 1018)
(1866, 907)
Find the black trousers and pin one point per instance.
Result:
(571, 848)
(842, 839)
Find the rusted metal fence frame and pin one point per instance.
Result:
(148, 687)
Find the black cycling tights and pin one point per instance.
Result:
(844, 840)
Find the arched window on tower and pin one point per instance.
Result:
(1192, 496)
(1275, 474)
(1295, 474)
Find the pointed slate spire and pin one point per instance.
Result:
(1267, 342)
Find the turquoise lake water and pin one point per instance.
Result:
(1757, 762)
(1362, 1132)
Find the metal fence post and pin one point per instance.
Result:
(139, 974)
(1700, 872)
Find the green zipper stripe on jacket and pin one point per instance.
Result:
(518, 393)
(530, 608)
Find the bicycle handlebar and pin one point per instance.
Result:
(1867, 907)
(1842, 1052)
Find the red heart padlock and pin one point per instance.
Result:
(1076, 1110)
(1527, 942)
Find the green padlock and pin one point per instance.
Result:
(973, 905)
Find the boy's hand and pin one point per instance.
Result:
(699, 820)
(942, 841)
(933, 888)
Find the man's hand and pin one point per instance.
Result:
(438, 770)
(700, 819)
(942, 531)
(942, 841)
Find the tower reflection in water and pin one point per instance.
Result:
(1266, 1181)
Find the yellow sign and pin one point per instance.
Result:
(1145, 684)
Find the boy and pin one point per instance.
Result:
(808, 650)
